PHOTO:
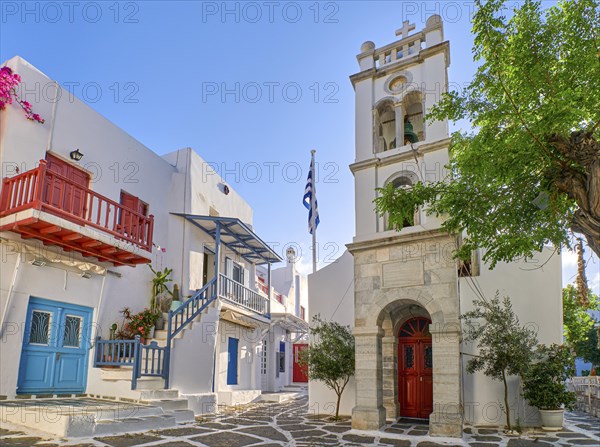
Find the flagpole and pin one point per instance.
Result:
(312, 205)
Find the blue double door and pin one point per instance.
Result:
(56, 343)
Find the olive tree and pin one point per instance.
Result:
(330, 356)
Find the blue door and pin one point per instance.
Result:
(56, 343)
(232, 362)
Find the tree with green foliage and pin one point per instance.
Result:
(577, 321)
(505, 348)
(544, 383)
(330, 356)
(588, 349)
(528, 173)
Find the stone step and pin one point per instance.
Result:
(279, 397)
(182, 416)
(168, 404)
(132, 425)
(159, 394)
(126, 410)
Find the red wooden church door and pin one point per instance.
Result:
(415, 369)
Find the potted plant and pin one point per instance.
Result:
(160, 294)
(176, 302)
(112, 336)
(141, 324)
(544, 384)
(164, 305)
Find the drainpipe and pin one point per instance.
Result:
(53, 118)
(10, 290)
(217, 287)
(100, 299)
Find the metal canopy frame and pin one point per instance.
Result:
(235, 235)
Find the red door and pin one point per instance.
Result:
(129, 223)
(300, 372)
(69, 196)
(415, 369)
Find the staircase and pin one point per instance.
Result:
(149, 388)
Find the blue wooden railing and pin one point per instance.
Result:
(153, 360)
(185, 314)
(146, 360)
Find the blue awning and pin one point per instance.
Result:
(237, 236)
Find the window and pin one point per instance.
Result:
(279, 298)
(385, 127)
(302, 313)
(414, 130)
(39, 333)
(263, 358)
(281, 356)
(404, 182)
(469, 267)
(72, 335)
(237, 273)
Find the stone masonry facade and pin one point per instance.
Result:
(398, 278)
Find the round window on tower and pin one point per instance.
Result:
(398, 82)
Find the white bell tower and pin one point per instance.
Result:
(396, 86)
(402, 276)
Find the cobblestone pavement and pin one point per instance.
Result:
(289, 424)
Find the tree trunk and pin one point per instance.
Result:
(580, 181)
(337, 406)
(507, 408)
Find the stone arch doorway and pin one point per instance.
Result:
(415, 368)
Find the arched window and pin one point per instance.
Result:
(414, 130)
(385, 127)
(404, 181)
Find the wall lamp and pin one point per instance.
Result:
(76, 155)
(39, 262)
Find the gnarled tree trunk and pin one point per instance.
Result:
(580, 180)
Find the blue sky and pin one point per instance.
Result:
(251, 86)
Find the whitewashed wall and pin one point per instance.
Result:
(179, 182)
(535, 293)
(331, 295)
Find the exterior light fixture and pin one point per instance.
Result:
(76, 155)
(39, 262)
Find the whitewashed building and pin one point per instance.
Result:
(401, 291)
(83, 208)
(289, 326)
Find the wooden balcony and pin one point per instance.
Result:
(47, 206)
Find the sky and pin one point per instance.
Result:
(251, 86)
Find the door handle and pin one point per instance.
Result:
(57, 356)
(421, 378)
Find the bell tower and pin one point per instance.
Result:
(404, 278)
(396, 85)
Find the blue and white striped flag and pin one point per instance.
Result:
(310, 198)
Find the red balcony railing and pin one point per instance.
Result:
(45, 190)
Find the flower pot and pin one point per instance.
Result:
(160, 323)
(552, 420)
(151, 333)
(175, 305)
(109, 358)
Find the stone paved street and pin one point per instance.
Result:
(288, 424)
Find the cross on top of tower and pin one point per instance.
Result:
(407, 27)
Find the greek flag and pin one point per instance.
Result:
(310, 198)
